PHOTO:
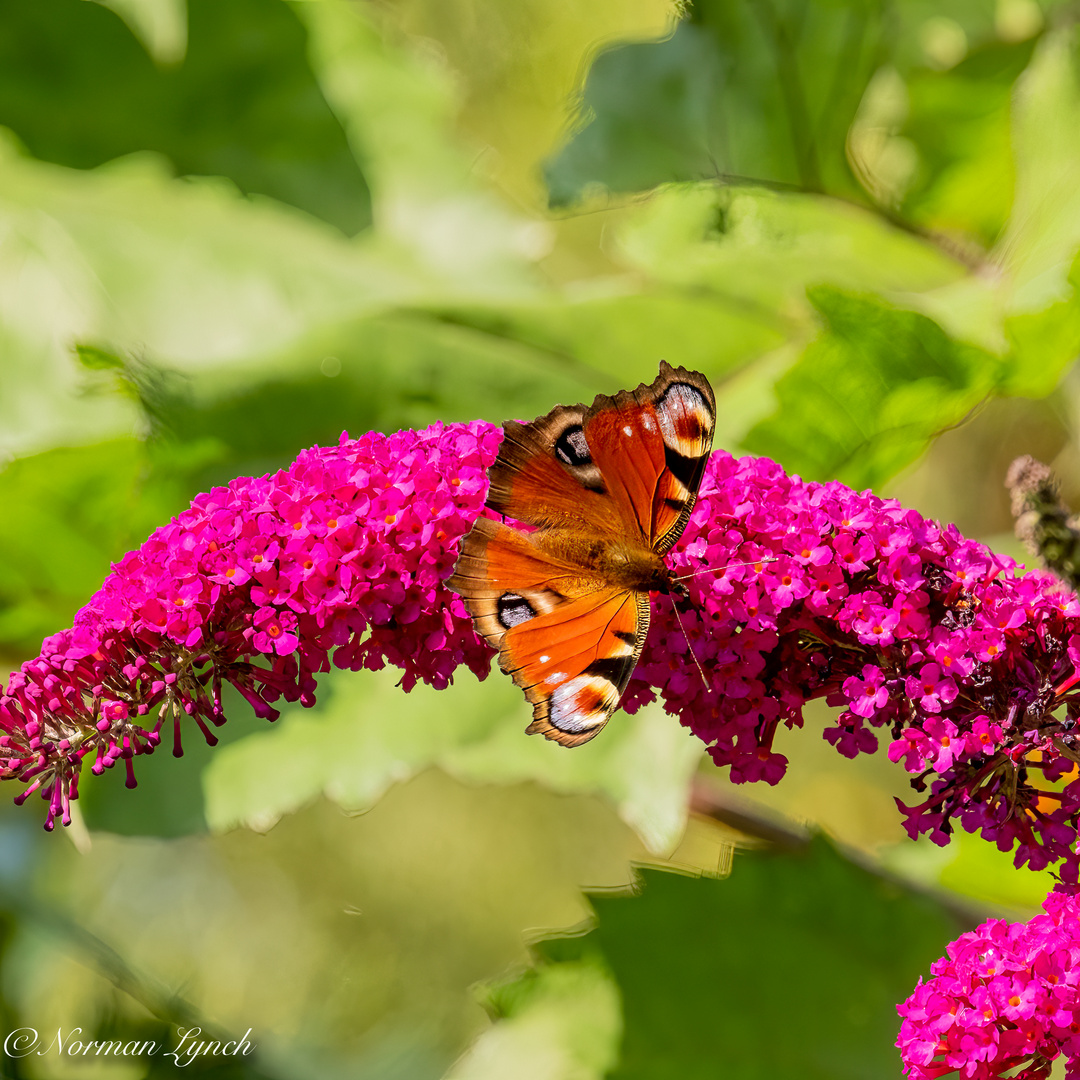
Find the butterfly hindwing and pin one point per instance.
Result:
(570, 643)
(574, 663)
(505, 579)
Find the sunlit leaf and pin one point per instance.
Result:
(367, 735)
(188, 274)
(398, 108)
(789, 967)
(557, 1022)
(757, 252)
(1041, 241)
(513, 68)
(1043, 343)
(347, 943)
(868, 394)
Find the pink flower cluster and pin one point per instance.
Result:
(800, 590)
(258, 585)
(820, 591)
(1006, 996)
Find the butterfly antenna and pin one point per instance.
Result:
(726, 566)
(690, 645)
(678, 614)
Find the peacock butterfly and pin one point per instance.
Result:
(604, 492)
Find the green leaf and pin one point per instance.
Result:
(870, 392)
(594, 344)
(789, 967)
(94, 358)
(366, 736)
(79, 89)
(739, 91)
(647, 119)
(558, 1022)
(971, 867)
(959, 122)
(376, 374)
(745, 258)
(67, 514)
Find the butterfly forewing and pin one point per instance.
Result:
(544, 474)
(651, 446)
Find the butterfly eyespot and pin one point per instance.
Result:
(514, 610)
(686, 416)
(582, 703)
(571, 447)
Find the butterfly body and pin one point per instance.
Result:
(612, 560)
(603, 493)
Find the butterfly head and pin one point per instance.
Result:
(677, 588)
(668, 584)
(633, 566)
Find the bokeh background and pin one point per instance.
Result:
(233, 228)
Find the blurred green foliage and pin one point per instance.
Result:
(242, 102)
(813, 996)
(230, 229)
(875, 381)
(753, 92)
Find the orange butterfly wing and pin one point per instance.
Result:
(619, 478)
(575, 663)
(544, 477)
(651, 446)
(568, 639)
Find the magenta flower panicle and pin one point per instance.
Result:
(261, 584)
(970, 668)
(798, 590)
(1005, 996)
